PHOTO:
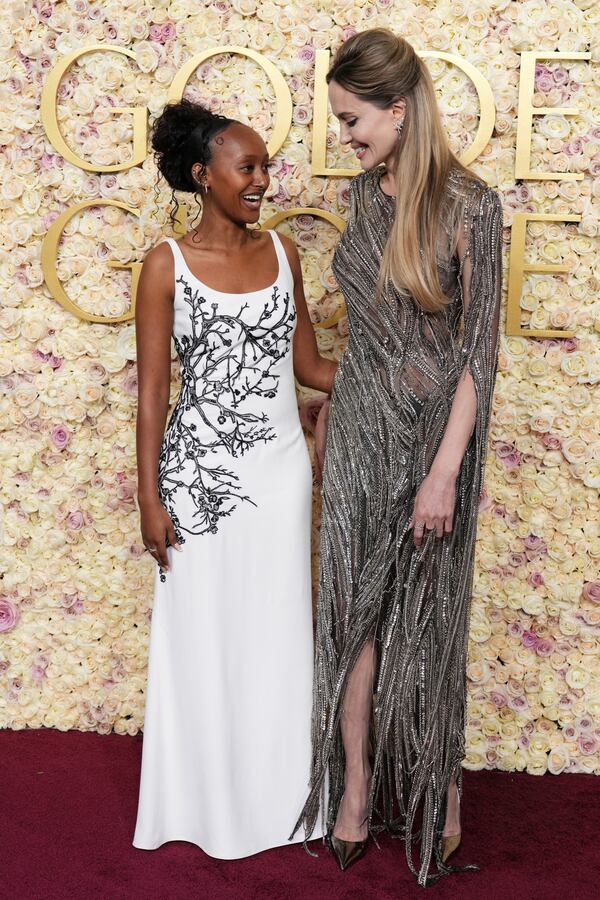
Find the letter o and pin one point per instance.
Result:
(283, 98)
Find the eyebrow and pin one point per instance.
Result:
(252, 157)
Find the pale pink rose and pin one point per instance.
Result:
(75, 520)
(38, 673)
(530, 639)
(523, 192)
(544, 647)
(516, 559)
(126, 490)
(306, 53)
(498, 698)
(533, 542)
(544, 81)
(583, 723)
(76, 609)
(169, 31)
(560, 75)
(348, 32)
(535, 579)
(518, 703)
(594, 167)
(569, 344)
(515, 629)
(574, 147)
(60, 436)
(42, 10)
(49, 218)
(130, 383)
(569, 733)
(302, 115)
(155, 33)
(591, 591)
(9, 614)
(551, 441)
(524, 741)
(587, 744)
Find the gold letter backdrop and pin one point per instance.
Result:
(76, 591)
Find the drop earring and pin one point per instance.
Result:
(398, 125)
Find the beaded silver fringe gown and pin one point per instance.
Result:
(390, 405)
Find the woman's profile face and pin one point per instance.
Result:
(238, 173)
(367, 128)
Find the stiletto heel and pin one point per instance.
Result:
(450, 843)
(346, 852)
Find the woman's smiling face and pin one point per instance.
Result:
(367, 128)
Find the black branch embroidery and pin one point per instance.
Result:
(224, 361)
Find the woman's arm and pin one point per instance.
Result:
(154, 323)
(479, 248)
(311, 369)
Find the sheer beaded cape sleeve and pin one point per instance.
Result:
(390, 405)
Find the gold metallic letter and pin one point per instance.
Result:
(283, 98)
(484, 92)
(50, 251)
(526, 111)
(274, 220)
(518, 266)
(50, 119)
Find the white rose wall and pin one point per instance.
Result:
(76, 587)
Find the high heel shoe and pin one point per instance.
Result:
(450, 843)
(346, 852)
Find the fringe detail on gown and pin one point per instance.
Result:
(391, 401)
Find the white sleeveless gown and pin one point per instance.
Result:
(226, 751)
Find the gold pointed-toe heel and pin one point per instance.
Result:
(346, 852)
(449, 845)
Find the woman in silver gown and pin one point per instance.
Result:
(420, 268)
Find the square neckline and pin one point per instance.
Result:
(277, 245)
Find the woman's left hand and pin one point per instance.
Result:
(434, 506)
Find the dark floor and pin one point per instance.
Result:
(67, 814)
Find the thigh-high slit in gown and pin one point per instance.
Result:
(390, 405)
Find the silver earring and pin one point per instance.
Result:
(398, 125)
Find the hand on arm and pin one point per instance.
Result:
(154, 322)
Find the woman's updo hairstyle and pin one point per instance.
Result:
(181, 136)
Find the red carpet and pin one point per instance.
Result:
(68, 804)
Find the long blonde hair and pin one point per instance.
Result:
(380, 67)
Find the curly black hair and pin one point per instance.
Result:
(182, 136)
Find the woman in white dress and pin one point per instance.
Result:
(225, 504)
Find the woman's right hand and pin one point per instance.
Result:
(158, 531)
